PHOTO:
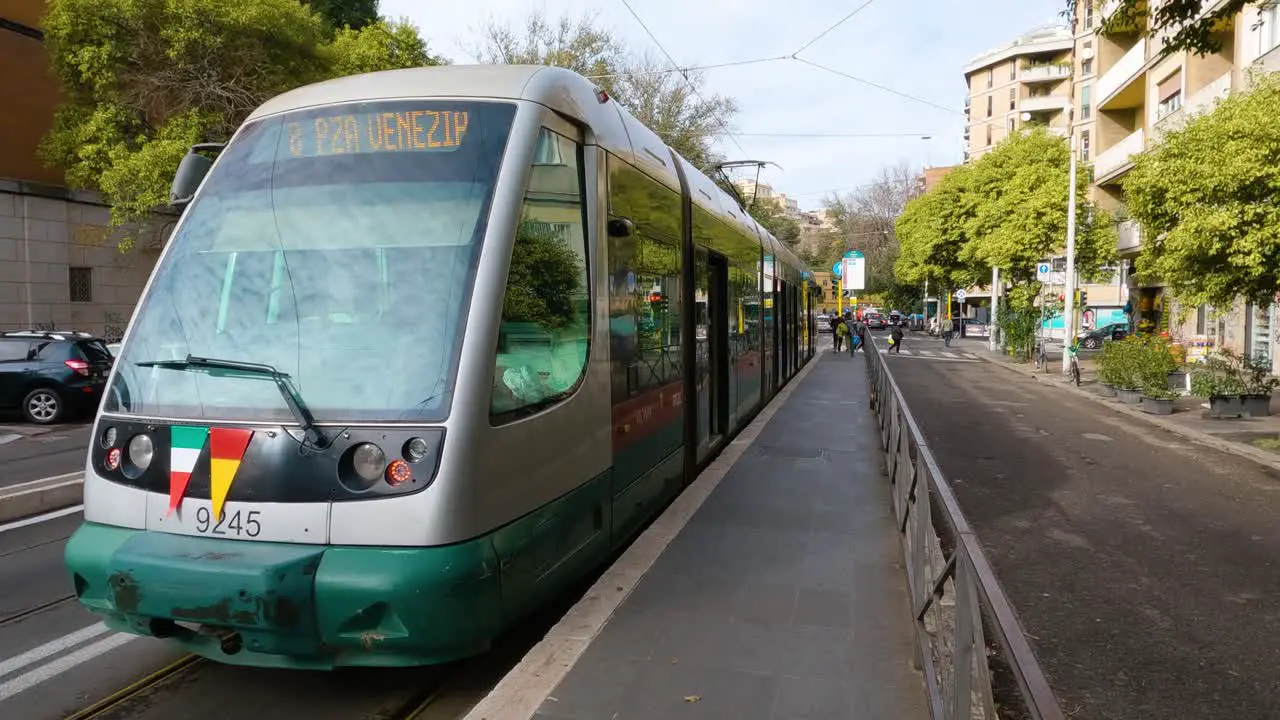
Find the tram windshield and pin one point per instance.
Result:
(336, 244)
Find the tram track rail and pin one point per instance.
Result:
(123, 695)
(35, 609)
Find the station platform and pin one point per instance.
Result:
(782, 597)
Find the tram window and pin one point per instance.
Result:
(544, 335)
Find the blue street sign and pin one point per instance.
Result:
(838, 269)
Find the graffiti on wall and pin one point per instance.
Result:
(113, 326)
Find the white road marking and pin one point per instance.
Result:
(41, 518)
(51, 648)
(77, 475)
(63, 664)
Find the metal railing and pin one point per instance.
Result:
(955, 597)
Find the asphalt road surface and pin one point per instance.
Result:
(1143, 568)
(59, 451)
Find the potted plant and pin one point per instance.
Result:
(1218, 379)
(1154, 362)
(1128, 372)
(1255, 399)
(1109, 372)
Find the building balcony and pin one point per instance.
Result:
(1044, 73)
(1203, 100)
(1044, 103)
(1120, 86)
(1130, 239)
(1116, 160)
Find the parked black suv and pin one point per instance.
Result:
(48, 375)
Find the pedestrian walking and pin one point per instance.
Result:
(842, 332)
(895, 340)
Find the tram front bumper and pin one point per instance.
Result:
(290, 605)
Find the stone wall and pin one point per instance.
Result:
(52, 239)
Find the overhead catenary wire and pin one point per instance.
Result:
(685, 75)
(824, 33)
(690, 68)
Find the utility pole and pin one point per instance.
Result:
(993, 343)
(926, 304)
(1069, 301)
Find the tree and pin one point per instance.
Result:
(866, 220)
(932, 230)
(354, 14)
(145, 79)
(670, 103)
(1178, 23)
(1206, 201)
(1019, 217)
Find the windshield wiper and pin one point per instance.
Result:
(284, 384)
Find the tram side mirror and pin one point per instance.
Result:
(621, 227)
(191, 172)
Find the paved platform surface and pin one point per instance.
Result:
(783, 597)
(1142, 566)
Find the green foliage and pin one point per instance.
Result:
(1206, 200)
(1153, 361)
(1218, 375)
(354, 14)
(1018, 328)
(1178, 23)
(1007, 210)
(380, 45)
(544, 280)
(688, 119)
(1020, 213)
(932, 230)
(144, 79)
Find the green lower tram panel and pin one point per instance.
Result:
(284, 605)
(323, 606)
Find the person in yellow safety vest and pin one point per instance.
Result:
(842, 332)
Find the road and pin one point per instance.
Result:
(1143, 568)
(58, 451)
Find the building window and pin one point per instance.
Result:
(1013, 69)
(1084, 145)
(1088, 14)
(1086, 66)
(544, 336)
(80, 280)
(988, 134)
(1268, 32)
(1086, 102)
(1169, 93)
(989, 99)
(1013, 98)
(991, 76)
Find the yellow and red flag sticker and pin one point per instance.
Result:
(226, 448)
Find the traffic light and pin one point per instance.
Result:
(1084, 299)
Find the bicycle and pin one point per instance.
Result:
(1073, 353)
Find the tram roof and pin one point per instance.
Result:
(561, 90)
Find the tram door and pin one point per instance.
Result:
(784, 332)
(713, 351)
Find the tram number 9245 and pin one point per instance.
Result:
(239, 524)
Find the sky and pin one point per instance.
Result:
(914, 47)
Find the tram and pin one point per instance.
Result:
(425, 347)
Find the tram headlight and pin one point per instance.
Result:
(138, 455)
(369, 462)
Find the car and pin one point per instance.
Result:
(1093, 339)
(49, 374)
(875, 321)
(974, 328)
(824, 323)
(895, 317)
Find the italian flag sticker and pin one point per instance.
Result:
(226, 449)
(185, 443)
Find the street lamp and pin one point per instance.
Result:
(1069, 302)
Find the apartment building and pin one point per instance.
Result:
(1026, 81)
(763, 192)
(59, 265)
(1136, 94)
